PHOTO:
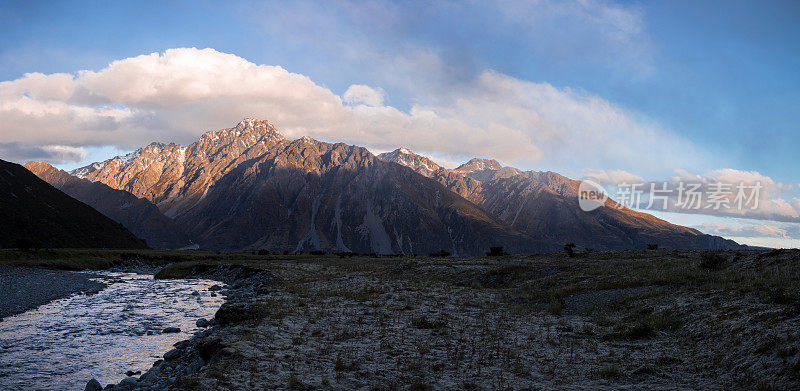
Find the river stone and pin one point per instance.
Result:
(93, 385)
(171, 330)
(172, 354)
(201, 323)
(215, 288)
(128, 383)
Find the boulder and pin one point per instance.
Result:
(171, 330)
(172, 354)
(93, 385)
(202, 323)
(237, 312)
(127, 384)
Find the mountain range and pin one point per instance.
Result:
(249, 187)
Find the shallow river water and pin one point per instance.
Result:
(63, 344)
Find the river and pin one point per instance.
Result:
(65, 343)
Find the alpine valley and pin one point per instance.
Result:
(251, 188)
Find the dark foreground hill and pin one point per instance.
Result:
(34, 213)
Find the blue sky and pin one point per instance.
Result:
(713, 84)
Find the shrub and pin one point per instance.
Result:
(423, 323)
(779, 296)
(496, 251)
(263, 252)
(569, 248)
(608, 372)
(318, 252)
(652, 246)
(556, 306)
(712, 260)
(440, 253)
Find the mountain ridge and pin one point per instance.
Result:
(306, 194)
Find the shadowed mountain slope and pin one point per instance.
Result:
(34, 211)
(545, 205)
(138, 215)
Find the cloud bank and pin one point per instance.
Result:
(176, 95)
(772, 201)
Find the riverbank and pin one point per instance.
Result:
(25, 288)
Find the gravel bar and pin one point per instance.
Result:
(25, 288)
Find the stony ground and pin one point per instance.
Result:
(632, 320)
(25, 288)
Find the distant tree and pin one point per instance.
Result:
(318, 252)
(440, 253)
(263, 252)
(652, 246)
(569, 248)
(496, 251)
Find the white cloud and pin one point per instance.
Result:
(762, 197)
(176, 95)
(767, 230)
(612, 177)
(57, 154)
(361, 94)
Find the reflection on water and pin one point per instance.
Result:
(63, 344)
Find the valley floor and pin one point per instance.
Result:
(646, 319)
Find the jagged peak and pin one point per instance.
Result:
(478, 164)
(253, 123)
(34, 163)
(246, 127)
(422, 164)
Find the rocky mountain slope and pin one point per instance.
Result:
(138, 215)
(34, 213)
(545, 205)
(248, 187)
